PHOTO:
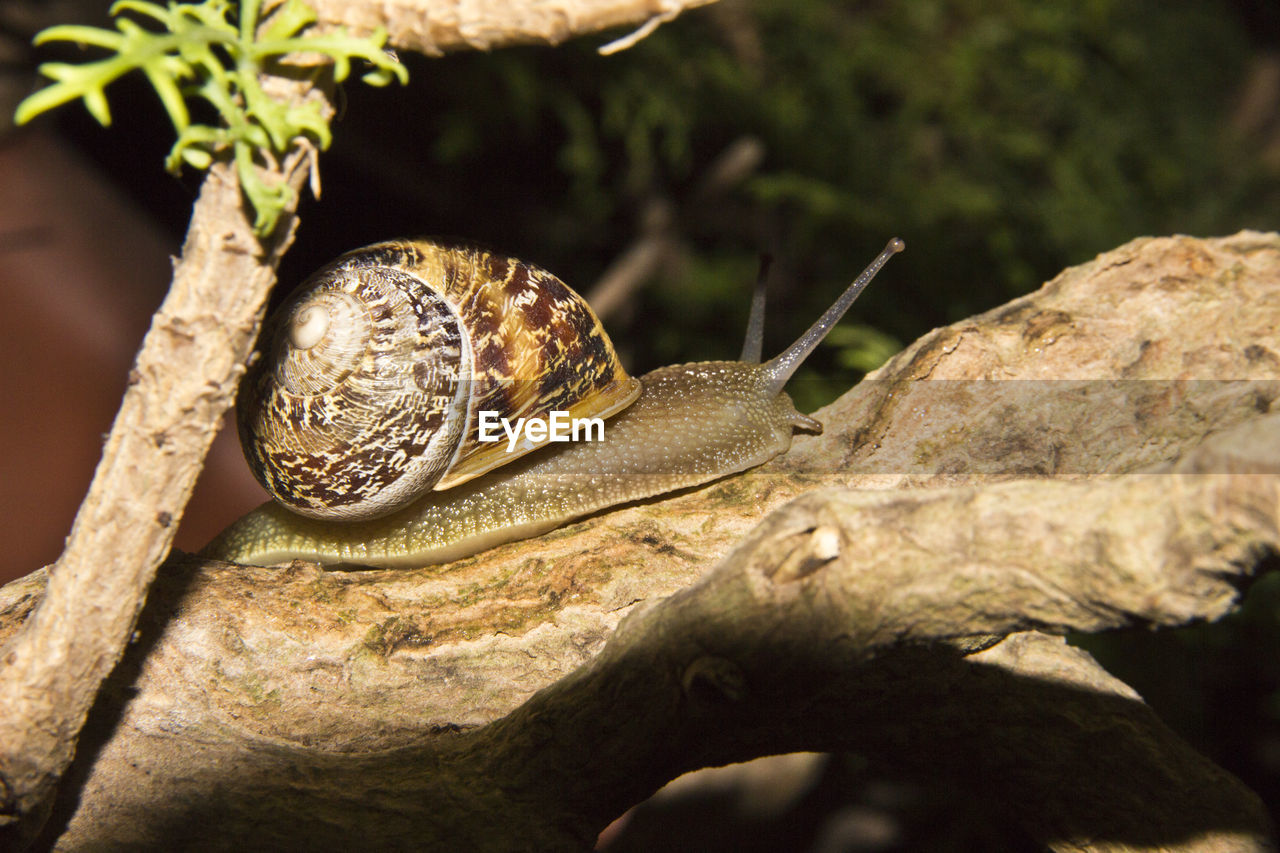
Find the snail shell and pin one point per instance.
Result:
(372, 375)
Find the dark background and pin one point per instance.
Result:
(1003, 140)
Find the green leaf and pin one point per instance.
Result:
(341, 68)
(166, 86)
(267, 201)
(379, 77)
(46, 99)
(151, 10)
(200, 51)
(80, 35)
(197, 157)
(95, 101)
(288, 20)
(192, 147)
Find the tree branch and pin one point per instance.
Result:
(500, 700)
(183, 381)
(432, 28)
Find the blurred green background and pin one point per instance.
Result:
(1003, 140)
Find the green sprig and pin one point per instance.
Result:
(205, 50)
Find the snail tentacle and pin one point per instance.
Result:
(783, 365)
(753, 343)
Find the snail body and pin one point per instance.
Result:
(690, 424)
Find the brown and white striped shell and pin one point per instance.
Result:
(372, 375)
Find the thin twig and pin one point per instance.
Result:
(183, 381)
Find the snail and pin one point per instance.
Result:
(447, 332)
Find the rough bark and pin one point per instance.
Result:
(125, 526)
(432, 27)
(1100, 453)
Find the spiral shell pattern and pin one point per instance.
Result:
(373, 374)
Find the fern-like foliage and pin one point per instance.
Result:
(214, 51)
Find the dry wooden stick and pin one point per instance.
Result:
(182, 382)
(432, 28)
(821, 631)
